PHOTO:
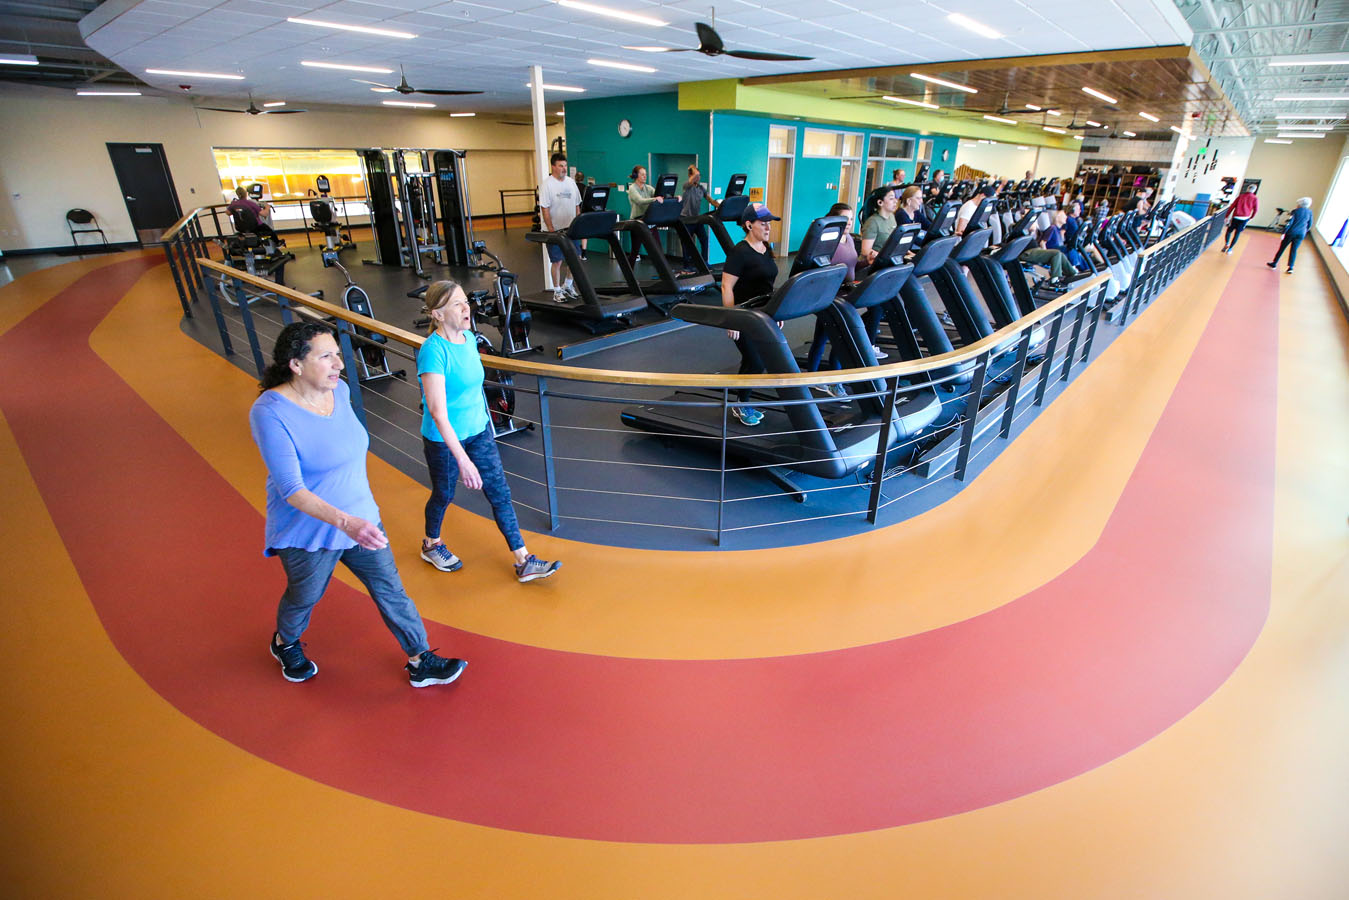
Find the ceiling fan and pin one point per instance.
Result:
(404, 88)
(710, 44)
(253, 110)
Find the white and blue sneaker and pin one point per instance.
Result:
(534, 568)
(440, 556)
(747, 415)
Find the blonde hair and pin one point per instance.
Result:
(912, 190)
(438, 293)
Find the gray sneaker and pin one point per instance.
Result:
(440, 556)
(534, 568)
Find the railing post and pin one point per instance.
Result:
(1018, 371)
(546, 433)
(177, 279)
(247, 315)
(1096, 311)
(1047, 366)
(353, 371)
(1073, 339)
(882, 447)
(213, 289)
(967, 431)
(721, 484)
(287, 317)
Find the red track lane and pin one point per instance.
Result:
(1080, 671)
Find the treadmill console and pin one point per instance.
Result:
(981, 214)
(821, 240)
(1022, 226)
(731, 208)
(897, 246)
(666, 184)
(736, 186)
(322, 183)
(945, 219)
(596, 198)
(921, 176)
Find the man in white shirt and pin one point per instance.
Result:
(559, 203)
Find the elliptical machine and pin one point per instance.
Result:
(501, 306)
(324, 213)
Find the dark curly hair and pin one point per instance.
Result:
(294, 342)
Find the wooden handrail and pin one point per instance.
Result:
(675, 379)
(176, 227)
(1148, 251)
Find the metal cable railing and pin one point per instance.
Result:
(569, 461)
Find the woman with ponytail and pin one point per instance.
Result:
(319, 506)
(457, 436)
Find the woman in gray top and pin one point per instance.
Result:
(695, 192)
(640, 195)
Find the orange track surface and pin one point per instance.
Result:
(110, 792)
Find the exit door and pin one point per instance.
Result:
(147, 188)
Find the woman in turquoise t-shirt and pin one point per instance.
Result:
(457, 435)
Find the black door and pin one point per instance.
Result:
(147, 187)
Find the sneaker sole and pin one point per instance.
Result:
(526, 579)
(448, 679)
(314, 671)
(458, 564)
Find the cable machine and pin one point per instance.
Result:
(418, 206)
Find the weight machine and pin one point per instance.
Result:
(418, 205)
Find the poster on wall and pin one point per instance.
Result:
(756, 195)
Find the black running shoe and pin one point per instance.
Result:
(295, 666)
(434, 669)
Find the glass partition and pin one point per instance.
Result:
(289, 175)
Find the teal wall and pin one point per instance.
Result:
(740, 144)
(658, 127)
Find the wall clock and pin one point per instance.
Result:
(624, 128)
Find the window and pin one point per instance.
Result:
(781, 140)
(852, 146)
(886, 154)
(289, 177)
(924, 151)
(822, 143)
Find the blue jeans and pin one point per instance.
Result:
(482, 450)
(1292, 242)
(309, 571)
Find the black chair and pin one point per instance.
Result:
(83, 217)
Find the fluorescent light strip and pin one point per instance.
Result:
(381, 90)
(344, 67)
(411, 104)
(911, 102)
(1001, 119)
(978, 28)
(1327, 116)
(1023, 148)
(1301, 97)
(17, 59)
(610, 64)
(1093, 124)
(1053, 112)
(1150, 117)
(951, 84)
(562, 112)
(1276, 141)
(275, 103)
(1130, 134)
(1095, 93)
(1306, 127)
(612, 13)
(184, 74)
(107, 93)
(363, 29)
(1311, 59)
(558, 87)
(1078, 137)
(650, 49)
(1034, 107)
(1055, 130)
(1319, 134)
(462, 115)
(1178, 131)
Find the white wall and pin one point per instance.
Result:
(1233, 155)
(1009, 162)
(53, 158)
(1289, 171)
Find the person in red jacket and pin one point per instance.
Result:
(1242, 211)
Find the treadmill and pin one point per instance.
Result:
(589, 309)
(1000, 278)
(728, 210)
(824, 438)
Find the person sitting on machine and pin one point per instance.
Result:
(1050, 252)
(911, 210)
(750, 272)
(559, 204)
(251, 222)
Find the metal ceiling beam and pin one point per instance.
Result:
(1284, 26)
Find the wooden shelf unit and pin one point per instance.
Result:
(1116, 188)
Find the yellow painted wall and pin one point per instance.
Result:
(1289, 171)
(53, 158)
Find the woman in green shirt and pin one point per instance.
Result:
(878, 226)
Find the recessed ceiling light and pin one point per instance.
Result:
(1033, 106)
(612, 13)
(1093, 124)
(275, 103)
(911, 102)
(184, 74)
(1319, 134)
(462, 115)
(363, 29)
(1055, 130)
(1053, 112)
(1078, 137)
(1176, 130)
(610, 64)
(650, 49)
(107, 93)
(1300, 97)
(558, 87)
(1001, 119)
(380, 90)
(345, 67)
(1129, 134)
(1150, 117)
(978, 28)
(17, 59)
(951, 84)
(411, 104)
(1311, 59)
(1023, 148)
(1095, 93)
(1276, 141)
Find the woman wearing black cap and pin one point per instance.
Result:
(750, 271)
